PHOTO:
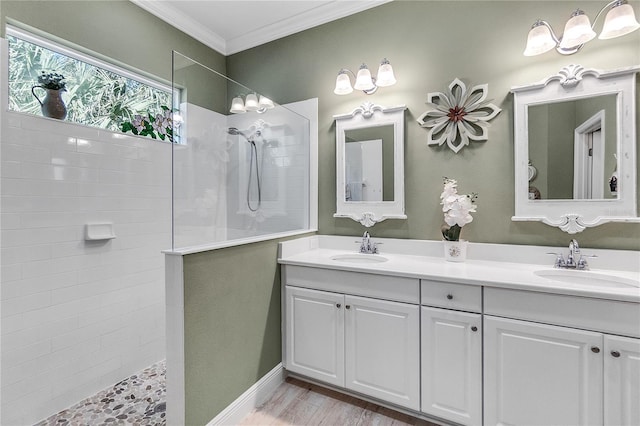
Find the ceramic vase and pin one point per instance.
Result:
(455, 251)
(52, 105)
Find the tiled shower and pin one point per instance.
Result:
(77, 315)
(80, 313)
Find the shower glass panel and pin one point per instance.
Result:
(236, 177)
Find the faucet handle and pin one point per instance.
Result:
(559, 262)
(582, 262)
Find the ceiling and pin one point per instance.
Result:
(231, 26)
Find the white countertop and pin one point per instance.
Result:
(494, 265)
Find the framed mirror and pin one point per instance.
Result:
(576, 130)
(370, 164)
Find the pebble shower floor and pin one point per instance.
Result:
(139, 399)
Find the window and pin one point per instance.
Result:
(97, 94)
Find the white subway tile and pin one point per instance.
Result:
(107, 313)
(13, 323)
(10, 220)
(11, 169)
(58, 177)
(25, 353)
(25, 287)
(10, 273)
(26, 254)
(74, 337)
(13, 119)
(31, 302)
(126, 336)
(37, 334)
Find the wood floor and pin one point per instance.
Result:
(299, 403)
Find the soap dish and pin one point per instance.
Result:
(99, 231)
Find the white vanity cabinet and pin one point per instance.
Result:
(541, 374)
(336, 334)
(382, 350)
(621, 381)
(540, 368)
(315, 334)
(451, 354)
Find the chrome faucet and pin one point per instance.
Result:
(575, 259)
(574, 250)
(366, 245)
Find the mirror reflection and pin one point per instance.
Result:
(370, 164)
(573, 146)
(369, 168)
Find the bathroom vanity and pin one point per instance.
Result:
(503, 338)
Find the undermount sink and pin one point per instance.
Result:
(587, 278)
(359, 258)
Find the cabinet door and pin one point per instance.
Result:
(382, 350)
(538, 374)
(315, 334)
(452, 365)
(621, 381)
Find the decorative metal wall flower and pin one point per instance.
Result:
(458, 115)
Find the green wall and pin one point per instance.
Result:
(232, 325)
(117, 29)
(429, 43)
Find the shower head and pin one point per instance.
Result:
(235, 131)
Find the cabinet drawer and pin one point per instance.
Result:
(398, 289)
(451, 296)
(608, 316)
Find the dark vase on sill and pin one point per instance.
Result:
(52, 105)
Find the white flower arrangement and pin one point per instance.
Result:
(457, 209)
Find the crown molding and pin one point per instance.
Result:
(184, 23)
(300, 22)
(309, 19)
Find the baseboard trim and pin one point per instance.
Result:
(253, 397)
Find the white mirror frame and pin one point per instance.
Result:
(368, 213)
(571, 83)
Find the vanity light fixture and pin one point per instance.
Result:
(620, 20)
(364, 80)
(252, 102)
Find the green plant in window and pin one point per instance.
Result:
(155, 126)
(94, 96)
(52, 80)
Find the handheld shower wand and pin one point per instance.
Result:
(254, 155)
(235, 131)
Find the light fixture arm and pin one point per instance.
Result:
(566, 48)
(572, 50)
(371, 91)
(557, 40)
(364, 81)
